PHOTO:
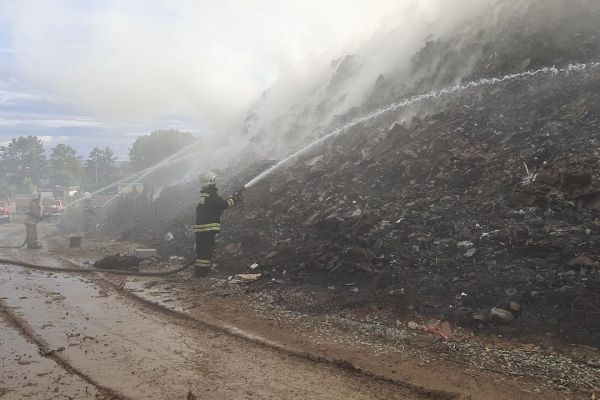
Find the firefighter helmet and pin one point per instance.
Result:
(208, 179)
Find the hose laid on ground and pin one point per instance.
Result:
(90, 270)
(15, 247)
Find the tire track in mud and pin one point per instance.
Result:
(45, 350)
(342, 364)
(195, 323)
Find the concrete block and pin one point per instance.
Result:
(145, 253)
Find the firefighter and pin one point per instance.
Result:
(34, 215)
(208, 221)
(89, 212)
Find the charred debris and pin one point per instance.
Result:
(484, 212)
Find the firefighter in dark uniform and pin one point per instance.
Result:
(89, 212)
(208, 221)
(34, 216)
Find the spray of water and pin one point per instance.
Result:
(136, 177)
(107, 202)
(547, 71)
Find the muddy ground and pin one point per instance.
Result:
(101, 338)
(131, 337)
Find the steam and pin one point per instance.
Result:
(382, 70)
(570, 69)
(140, 60)
(265, 77)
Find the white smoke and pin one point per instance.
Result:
(218, 62)
(301, 108)
(149, 59)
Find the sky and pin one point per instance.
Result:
(101, 72)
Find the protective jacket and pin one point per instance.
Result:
(34, 213)
(210, 209)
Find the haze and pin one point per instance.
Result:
(86, 72)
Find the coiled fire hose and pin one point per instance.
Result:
(91, 270)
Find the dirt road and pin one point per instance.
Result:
(27, 374)
(69, 336)
(93, 342)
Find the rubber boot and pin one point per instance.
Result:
(200, 272)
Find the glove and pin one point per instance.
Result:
(238, 197)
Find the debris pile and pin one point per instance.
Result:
(119, 262)
(481, 208)
(484, 212)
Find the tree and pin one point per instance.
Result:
(65, 166)
(27, 186)
(149, 150)
(24, 157)
(100, 165)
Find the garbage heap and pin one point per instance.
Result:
(484, 210)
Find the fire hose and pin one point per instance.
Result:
(24, 241)
(92, 270)
(237, 195)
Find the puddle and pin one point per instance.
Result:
(133, 350)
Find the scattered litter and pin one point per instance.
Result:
(581, 261)
(530, 178)
(514, 307)
(413, 325)
(501, 316)
(145, 253)
(384, 225)
(281, 281)
(490, 234)
(356, 213)
(244, 278)
(439, 328)
(470, 253)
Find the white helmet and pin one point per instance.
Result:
(208, 179)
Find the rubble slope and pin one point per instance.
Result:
(480, 207)
(490, 202)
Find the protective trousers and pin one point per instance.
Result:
(205, 244)
(32, 237)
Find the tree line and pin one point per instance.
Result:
(25, 166)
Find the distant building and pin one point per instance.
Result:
(65, 192)
(22, 201)
(46, 193)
